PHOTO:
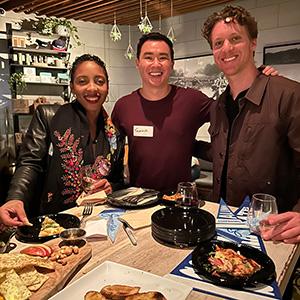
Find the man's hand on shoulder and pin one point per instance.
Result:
(282, 227)
(269, 70)
(12, 213)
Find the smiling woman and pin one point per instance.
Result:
(60, 141)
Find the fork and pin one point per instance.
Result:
(87, 211)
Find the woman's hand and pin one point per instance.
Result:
(101, 185)
(12, 213)
(286, 227)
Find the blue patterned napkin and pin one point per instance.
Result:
(231, 226)
(113, 224)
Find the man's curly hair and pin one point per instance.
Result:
(230, 14)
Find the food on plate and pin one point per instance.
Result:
(18, 261)
(38, 250)
(173, 197)
(32, 278)
(50, 227)
(119, 291)
(19, 277)
(27, 223)
(123, 292)
(62, 253)
(12, 287)
(231, 262)
(94, 295)
(147, 296)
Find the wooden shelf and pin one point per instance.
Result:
(41, 67)
(47, 83)
(40, 51)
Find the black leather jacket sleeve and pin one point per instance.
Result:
(32, 159)
(116, 177)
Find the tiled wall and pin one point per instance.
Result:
(279, 21)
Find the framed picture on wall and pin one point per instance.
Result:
(199, 72)
(285, 58)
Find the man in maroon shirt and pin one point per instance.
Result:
(159, 119)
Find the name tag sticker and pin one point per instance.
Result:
(144, 131)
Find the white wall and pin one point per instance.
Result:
(278, 20)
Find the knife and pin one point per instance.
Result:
(129, 232)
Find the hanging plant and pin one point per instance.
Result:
(145, 25)
(115, 33)
(171, 32)
(129, 54)
(17, 83)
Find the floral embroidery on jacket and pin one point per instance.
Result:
(72, 159)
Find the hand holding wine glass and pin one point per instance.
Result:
(261, 206)
(91, 174)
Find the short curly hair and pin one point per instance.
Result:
(87, 57)
(230, 14)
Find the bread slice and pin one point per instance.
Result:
(147, 296)
(118, 291)
(93, 295)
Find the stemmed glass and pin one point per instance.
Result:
(88, 178)
(90, 174)
(187, 195)
(261, 206)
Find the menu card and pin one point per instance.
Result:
(231, 226)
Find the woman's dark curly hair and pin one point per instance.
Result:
(87, 57)
(230, 14)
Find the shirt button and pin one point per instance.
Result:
(221, 154)
(218, 180)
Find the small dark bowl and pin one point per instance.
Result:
(73, 236)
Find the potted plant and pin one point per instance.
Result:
(17, 83)
(52, 25)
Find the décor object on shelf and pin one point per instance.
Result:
(17, 83)
(145, 25)
(115, 33)
(52, 25)
(171, 32)
(129, 54)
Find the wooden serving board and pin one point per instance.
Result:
(62, 274)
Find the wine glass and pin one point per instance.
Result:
(90, 174)
(261, 206)
(88, 178)
(187, 195)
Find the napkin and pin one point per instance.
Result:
(141, 218)
(96, 229)
(112, 223)
(95, 198)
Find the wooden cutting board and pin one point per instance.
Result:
(62, 274)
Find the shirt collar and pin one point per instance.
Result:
(256, 91)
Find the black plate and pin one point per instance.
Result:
(30, 234)
(114, 201)
(202, 266)
(182, 227)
